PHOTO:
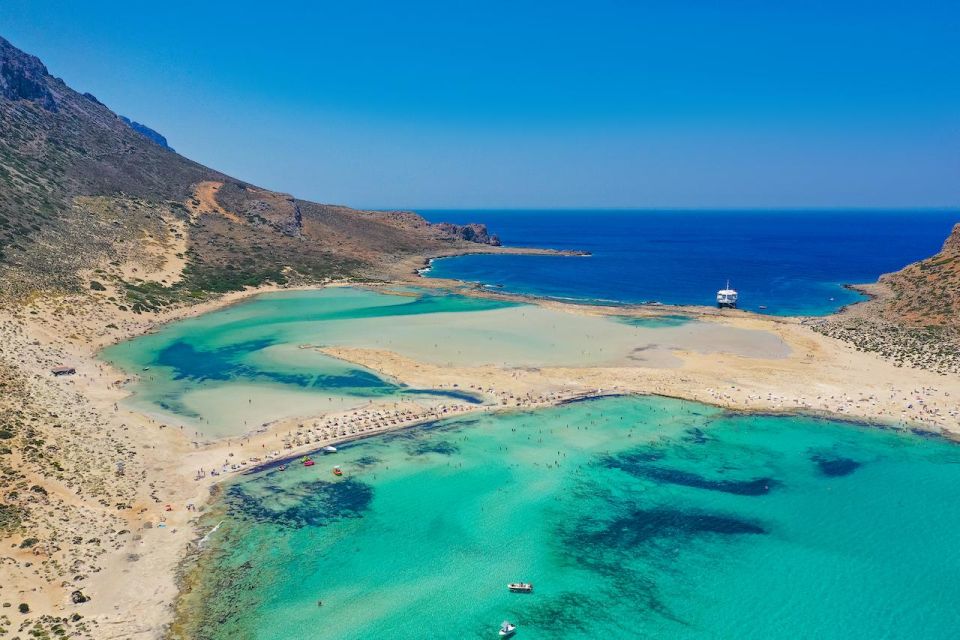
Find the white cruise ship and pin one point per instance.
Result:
(727, 297)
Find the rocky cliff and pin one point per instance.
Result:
(473, 232)
(24, 77)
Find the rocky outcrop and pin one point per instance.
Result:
(261, 207)
(473, 232)
(23, 77)
(927, 293)
(145, 131)
(952, 244)
(913, 318)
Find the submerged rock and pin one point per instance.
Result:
(835, 466)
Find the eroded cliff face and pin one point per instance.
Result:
(23, 77)
(473, 232)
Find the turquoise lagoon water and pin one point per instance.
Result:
(633, 517)
(226, 373)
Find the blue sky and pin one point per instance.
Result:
(605, 103)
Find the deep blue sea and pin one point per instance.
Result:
(790, 262)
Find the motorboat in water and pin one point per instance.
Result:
(337, 471)
(520, 587)
(329, 449)
(507, 629)
(307, 462)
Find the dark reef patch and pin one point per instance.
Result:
(466, 396)
(641, 526)
(426, 429)
(223, 364)
(834, 466)
(695, 435)
(443, 447)
(629, 459)
(366, 461)
(638, 464)
(925, 433)
(755, 487)
(402, 434)
(174, 405)
(564, 614)
(308, 504)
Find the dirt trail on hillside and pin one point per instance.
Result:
(204, 200)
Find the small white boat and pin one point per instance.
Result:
(520, 587)
(329, 449)
(507, 629)
(727, 297)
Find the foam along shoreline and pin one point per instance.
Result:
(820, 376)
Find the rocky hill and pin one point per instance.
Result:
(913, 317)
(87, 200)
(927, 293)
(144, 130)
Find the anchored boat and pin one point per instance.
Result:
(520, 587)
(727, 297)
(337, 471)
(507, 629)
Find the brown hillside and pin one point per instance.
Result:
(927, 293)
(82, 194)
(914, 315)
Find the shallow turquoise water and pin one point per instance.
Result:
(633, 517)
(227, 371)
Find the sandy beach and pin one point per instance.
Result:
(131, 487)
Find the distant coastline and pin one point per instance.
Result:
(778, 262)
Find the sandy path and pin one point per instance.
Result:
(205, 201)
